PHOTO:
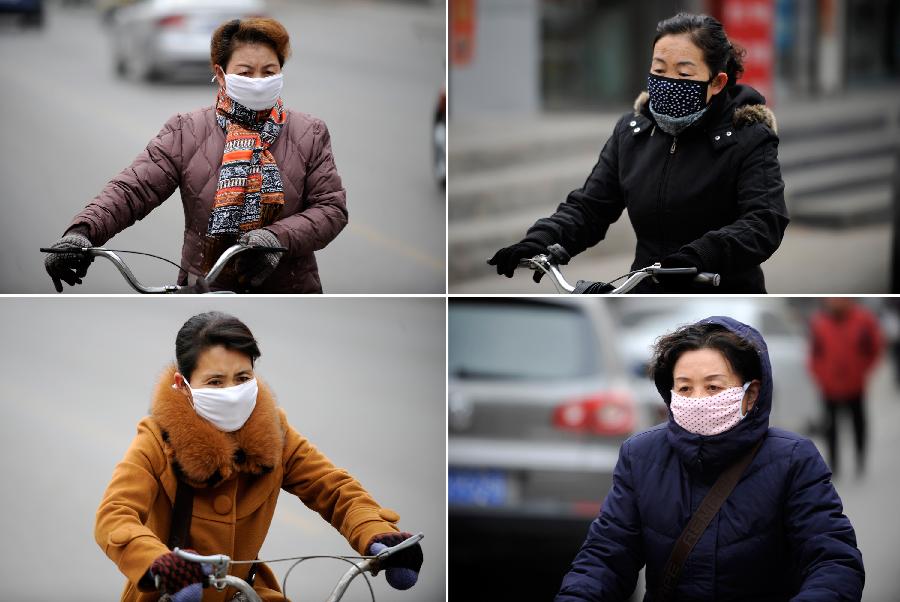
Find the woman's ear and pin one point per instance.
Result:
(178, 381)
(716, 85)
(220, 76)
(751, 396)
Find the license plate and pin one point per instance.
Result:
(485, 488)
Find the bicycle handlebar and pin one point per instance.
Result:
(220, 579)
(549, 264)
(132, 280)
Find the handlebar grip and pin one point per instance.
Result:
(63, 250)
(674, 271)
(708, 278)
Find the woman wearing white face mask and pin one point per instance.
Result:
(715, 503)
(248, 169)
(216, 438)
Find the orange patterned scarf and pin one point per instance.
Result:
(250, 193)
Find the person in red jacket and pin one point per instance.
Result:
(846, 345)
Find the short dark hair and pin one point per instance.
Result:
(709, 36)
(210, 329)
(255, 30)
(741, 354)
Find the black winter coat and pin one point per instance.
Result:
(713, 194)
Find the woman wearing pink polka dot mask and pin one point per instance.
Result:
(778, 531)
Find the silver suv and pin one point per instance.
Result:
(538, 405)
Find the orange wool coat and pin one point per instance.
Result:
(237, 477)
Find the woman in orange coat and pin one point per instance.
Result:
(214, 429)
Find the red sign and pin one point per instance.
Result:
(749, 24)
(462, 31)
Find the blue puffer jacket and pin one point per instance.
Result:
(780, 535)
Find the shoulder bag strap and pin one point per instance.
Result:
(710, 505)
(180, 531)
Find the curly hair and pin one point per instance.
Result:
(256, 30)
(741, 354)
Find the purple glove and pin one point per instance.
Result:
(402, 568)
(182, 578)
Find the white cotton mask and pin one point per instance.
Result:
(255, 93)
(709, 415)
(225, 408)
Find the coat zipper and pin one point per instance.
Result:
(659, 194)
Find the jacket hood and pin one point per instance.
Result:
(710, 454)
(202, 455)
(748, 106)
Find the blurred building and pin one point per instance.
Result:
(527, 55)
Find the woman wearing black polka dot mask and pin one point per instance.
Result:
(695, 164)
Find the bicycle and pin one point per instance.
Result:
(556, 255)
(220, 579)
(112, 256)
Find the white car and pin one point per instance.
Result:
(152, 39)
(795, 406)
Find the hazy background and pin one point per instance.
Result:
(498, 407)
(372, 70)
(536, 87)
(364, 380)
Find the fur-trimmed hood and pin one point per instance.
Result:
(201, 454)
(747, 112)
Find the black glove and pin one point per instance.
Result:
(507, 258)
(681, 259)
(402, 568)
(68, 267)
(256, 266)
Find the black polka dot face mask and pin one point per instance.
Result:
(676, 103)
(676, 97)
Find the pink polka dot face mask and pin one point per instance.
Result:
(709, 415)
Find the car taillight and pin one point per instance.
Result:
(171, 21)
(602, 414)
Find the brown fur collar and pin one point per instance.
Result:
(743, 116)
(201, 454)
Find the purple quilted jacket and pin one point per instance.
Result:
(187, 154)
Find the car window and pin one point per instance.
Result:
(520, 341)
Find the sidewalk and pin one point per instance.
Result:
(810, 260)
(870, 500)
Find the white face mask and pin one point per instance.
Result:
(709, 415)
(226, 408)
(255, 93)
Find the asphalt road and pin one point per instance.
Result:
(363, 379)
(370, 70)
